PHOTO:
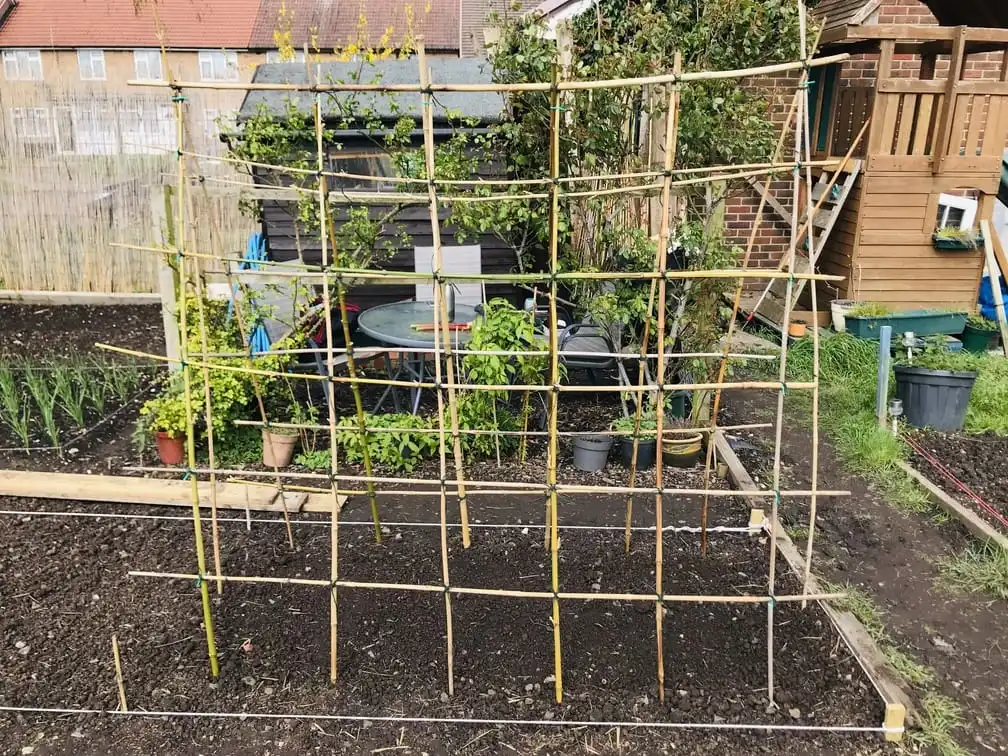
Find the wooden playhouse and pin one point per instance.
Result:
(930, 158)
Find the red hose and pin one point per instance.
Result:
(958, 483)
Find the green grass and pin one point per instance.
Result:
(978, 570)
(940, 717)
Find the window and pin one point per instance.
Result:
(22, 65)
(275, 56)
(147, 64)
(31, 123)
(218, 65)
(361, 164)
(91, 64)
(956, 211)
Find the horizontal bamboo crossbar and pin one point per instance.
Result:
(562, 388)
(642, 81)
(495, 592)
(503, 485)
(462, 352)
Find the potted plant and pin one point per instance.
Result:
(934, 393)
(979, 334)
(647, 441)
(165, 416)
(955, 239)
(279, 442)
(682, 449)
(866, 319)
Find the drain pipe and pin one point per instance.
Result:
(882, 383)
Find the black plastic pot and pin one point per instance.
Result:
(934, 398)
(647, 450)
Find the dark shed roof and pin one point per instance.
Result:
(484, 106)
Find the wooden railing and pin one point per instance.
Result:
(911, 119)
(852, 108)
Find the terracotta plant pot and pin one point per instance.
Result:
(171, 449)
(796, 330)
(278, 448)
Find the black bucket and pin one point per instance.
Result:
(934, 398)
(647, 449)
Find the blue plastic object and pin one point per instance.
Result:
(986, 298)
(255, 253)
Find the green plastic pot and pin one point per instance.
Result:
(977, 340)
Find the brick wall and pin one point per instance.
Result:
(860, 71)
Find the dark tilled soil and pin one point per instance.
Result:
(868, 541)
(980, 461)
(66, 592)
(67, 330)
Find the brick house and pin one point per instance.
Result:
(866, 243)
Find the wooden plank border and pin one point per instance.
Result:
(93, 298)
(973, 522)
(899, 708)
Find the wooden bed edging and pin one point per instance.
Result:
(121, 489)
(973, 522)
(94, 298)
(891, 687)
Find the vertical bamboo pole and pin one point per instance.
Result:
(726, 346)
(178, 98)
(118, 673)
(814, 482)
(554, 397)
(205, 372)
(327, 319)
(441, 336)
(671, 134)
(782, 374)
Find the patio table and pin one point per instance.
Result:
(391, 325)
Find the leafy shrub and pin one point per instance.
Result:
(401, 448)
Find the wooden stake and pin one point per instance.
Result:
(441, 325)
(671, 133)
(119, 674)
(187, 391)
(995, 278)
(554, 397)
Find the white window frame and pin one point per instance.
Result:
(210, 60)
(968, 205)
(142, 59)
(89, 60)
(22, 64)
(273, 56)
(20, 117)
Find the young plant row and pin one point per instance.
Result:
(49, 402)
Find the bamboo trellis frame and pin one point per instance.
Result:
(331, 276)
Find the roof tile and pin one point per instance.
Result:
(117, 23)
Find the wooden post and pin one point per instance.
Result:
(994, 272)
(161, 217)
(942, 144)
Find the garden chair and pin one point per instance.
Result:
(579, 340)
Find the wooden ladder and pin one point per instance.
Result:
(839, 185)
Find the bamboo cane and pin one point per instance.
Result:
(503, 592)
(671, 136)
(554, 397)
(179, 99)
(792, 249)
(331, 405)
(814, 482)
(739, 73)
(118, 673)
(441, 326)
(483, 182)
